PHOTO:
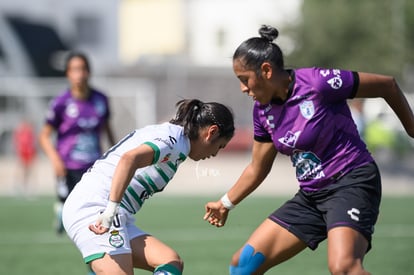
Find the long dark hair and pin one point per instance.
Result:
(194, 114)
(256, 50)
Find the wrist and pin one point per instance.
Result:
(106, 218)
(112, 208)
(226, 202)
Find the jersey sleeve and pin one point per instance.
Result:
(107, 112)
(336, 85)
(53, 113)
(260, 133)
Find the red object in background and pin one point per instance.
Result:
(25, 143)
(242, 140)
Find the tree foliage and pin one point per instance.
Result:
(370, 35)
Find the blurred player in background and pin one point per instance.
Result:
(303, 113)
(98, 214)
(78, 117)
(24, 138)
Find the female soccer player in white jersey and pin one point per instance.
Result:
(98, 214)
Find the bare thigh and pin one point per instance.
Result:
(346, 251)
(275, 242)
(120, 264)
(148, 252)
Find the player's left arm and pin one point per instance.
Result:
(376, 85)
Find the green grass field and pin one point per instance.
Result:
(30, 245)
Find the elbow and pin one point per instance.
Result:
(393, 86)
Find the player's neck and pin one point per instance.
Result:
(80, 93)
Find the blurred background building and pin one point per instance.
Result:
(148, 54)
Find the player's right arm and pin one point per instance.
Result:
(45, 140)
(129, 162)
(263, 156)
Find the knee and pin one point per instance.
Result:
(346, 266)
(246, 261)
(172, 268)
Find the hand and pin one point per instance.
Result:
(216, 213)
(102, 225)
(105, 219)
(59, 167)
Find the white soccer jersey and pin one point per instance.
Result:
(171, 148)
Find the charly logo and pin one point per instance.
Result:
(115, 239)
(353, 213)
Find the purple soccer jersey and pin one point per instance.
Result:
(78, 124)
(314, 126)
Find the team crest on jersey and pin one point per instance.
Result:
(72, 110)
(290, 139)
(115, 239)
(307, 109)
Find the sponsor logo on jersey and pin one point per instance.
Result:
(307, 109)
(269, 121)
(324, 73)
(166, 158)
(308, 166)
(169, 142)
(290, 139)
(336, 81)
(100, 107)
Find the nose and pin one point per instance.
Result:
(244, 88)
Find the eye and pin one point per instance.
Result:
(244, 80)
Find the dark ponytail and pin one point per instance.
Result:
(194, 114)
(256, 50)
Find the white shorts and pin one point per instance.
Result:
(81, 209)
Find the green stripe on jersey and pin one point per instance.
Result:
(144, 184)
(131, 191)
(123, 205)
(161, 172)
(151, 183)
(129, 206)
(156, 151)
(172, 166)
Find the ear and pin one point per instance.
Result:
(212, 132)
(267, 70)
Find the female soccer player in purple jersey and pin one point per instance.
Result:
(99, 213)
(79, 116)
(303, 113)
